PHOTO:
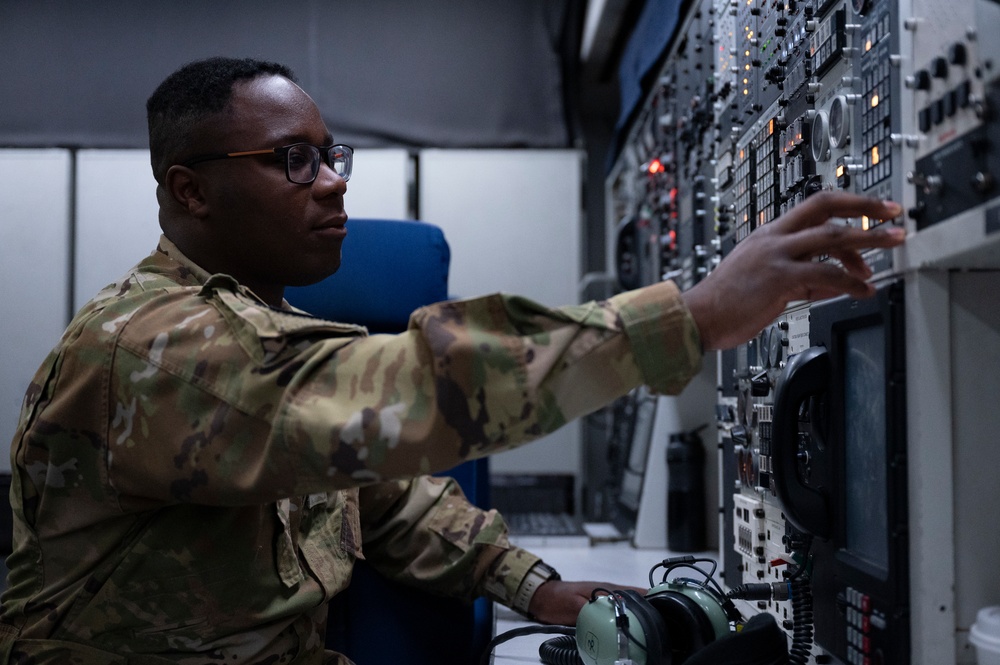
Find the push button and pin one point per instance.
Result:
(949, 103)
(924, 120)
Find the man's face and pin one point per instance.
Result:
(264, 230)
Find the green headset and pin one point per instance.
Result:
(668, 624)
(664, 626)
(679, 621)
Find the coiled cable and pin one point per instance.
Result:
(559, 651)
(802, 618)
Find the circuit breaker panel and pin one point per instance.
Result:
(847, 457)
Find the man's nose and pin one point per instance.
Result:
(329, 181)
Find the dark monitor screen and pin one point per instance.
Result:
(866, 517)
(638, 449)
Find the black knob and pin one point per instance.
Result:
(939, 67)
(760, 386)
(922, 80)
(957, 54)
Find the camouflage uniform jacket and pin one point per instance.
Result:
(194, 472)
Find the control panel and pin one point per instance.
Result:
(759, 104)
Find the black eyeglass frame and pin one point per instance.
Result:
(324, 154)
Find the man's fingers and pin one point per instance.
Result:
(826, 205)
(818, 281)
(853, 263)
(834, 238)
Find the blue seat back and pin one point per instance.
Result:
(388, 269)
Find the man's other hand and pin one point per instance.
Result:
(559, 603)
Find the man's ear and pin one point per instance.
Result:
(184, 186)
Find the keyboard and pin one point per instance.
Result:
(543, 524)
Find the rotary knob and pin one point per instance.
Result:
(776, 347)
(840, 122)
(819, 140)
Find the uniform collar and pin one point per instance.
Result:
(187, 271)
(183, 268)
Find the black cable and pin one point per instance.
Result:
(521, 632)
(559, 651)
(802, 617)
(707, 583)
(761, 591)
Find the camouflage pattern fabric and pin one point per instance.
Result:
(195, 473)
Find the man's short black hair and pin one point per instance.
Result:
(189, 95)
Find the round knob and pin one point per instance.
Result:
(921, 80)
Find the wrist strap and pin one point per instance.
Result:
(538, 575)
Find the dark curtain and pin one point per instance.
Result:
(475, 73)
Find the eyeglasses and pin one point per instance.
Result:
(302, 160)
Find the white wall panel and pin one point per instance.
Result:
(116, 217)
(117, 221)
(34, 271)
(379, 186)
(513, 221)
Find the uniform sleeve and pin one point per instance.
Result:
(424, 533)
(220, 400)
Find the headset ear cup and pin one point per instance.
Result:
(654, 635)
(685, 622)
(760, 643)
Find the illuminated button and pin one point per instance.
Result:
(866, 604)
(866, 625)
(866, 644)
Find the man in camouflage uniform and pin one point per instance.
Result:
(197, 465)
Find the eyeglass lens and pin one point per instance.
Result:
(304, 161)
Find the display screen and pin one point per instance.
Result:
(642, 434)
(867, 518)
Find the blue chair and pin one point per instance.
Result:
(389, 269)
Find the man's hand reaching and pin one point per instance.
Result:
(774, 266)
